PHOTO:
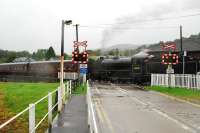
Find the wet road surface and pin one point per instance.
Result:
(126, 109)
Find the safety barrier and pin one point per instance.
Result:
(62, 93)
(176, 80)
(91, 112)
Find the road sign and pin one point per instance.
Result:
(83, 70)
(185, 53)
(169, 46)
(170, 70)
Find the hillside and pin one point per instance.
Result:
(191, 43)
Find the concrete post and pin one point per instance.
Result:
(31, 118)
(50, 109)
(59, 99)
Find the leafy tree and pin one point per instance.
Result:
(50, 53)
(40, 54)
(67, 57)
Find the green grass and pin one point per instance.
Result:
(183, 93)
(80, 90)
(18, 96)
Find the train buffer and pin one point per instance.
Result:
(73, 118)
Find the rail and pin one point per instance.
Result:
(91, 112)
(62, 93)
(176, 80)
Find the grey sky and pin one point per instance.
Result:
(34, 24)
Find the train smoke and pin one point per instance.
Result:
(122, 24)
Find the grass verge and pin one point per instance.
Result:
(80, 89)
(182, 93)
(17, 96)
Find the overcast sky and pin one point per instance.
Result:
(35, 24)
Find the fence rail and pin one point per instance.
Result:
(176, 80)
(61, 99)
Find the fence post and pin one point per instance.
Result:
(67, 89)
(70, 84)
(173, 80)
(63, 94)
(70, 88)
(31, 118)
(59, 100)
(50, 109)
(198, 82)
(188, 85)
(151, 79)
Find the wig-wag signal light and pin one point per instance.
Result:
(80, 54)
(169, 59)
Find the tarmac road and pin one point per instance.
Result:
(126, 109)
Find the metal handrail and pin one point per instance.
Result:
(28, 108)
(13, 118)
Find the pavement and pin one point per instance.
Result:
(73, 118)
(127, 109)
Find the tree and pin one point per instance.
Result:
(50, 53)
(40, 54)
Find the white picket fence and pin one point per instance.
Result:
(176, 80)
(62, 92)
(91, 112)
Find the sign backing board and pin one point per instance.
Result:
(83, 65)
(170, 71)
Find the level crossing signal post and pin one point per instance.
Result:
(80, 56)
(169, 57)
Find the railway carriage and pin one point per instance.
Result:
(34, 71)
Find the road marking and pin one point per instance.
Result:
(158, 111)
(98, 110)
(170, 118)
(102, 113)
(97, 90)
(133, 98)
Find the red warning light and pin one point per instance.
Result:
(170, 59)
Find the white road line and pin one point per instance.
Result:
(97, 90)
(159, 112)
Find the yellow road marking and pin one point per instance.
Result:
(98, 110)
(102, 113)
(106, 118)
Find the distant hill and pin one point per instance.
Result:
(191, 43)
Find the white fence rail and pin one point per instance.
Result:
(176, 80)
(91, 112)
(61, 92)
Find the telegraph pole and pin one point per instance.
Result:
(181, 49)
(77, 32)
(62, 56)
(67, 22)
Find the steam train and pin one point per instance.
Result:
(136, 69)
(34, 71)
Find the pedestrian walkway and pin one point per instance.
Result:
(73, 118)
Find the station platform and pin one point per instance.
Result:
(73, 118)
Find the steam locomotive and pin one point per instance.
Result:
(136, 69)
